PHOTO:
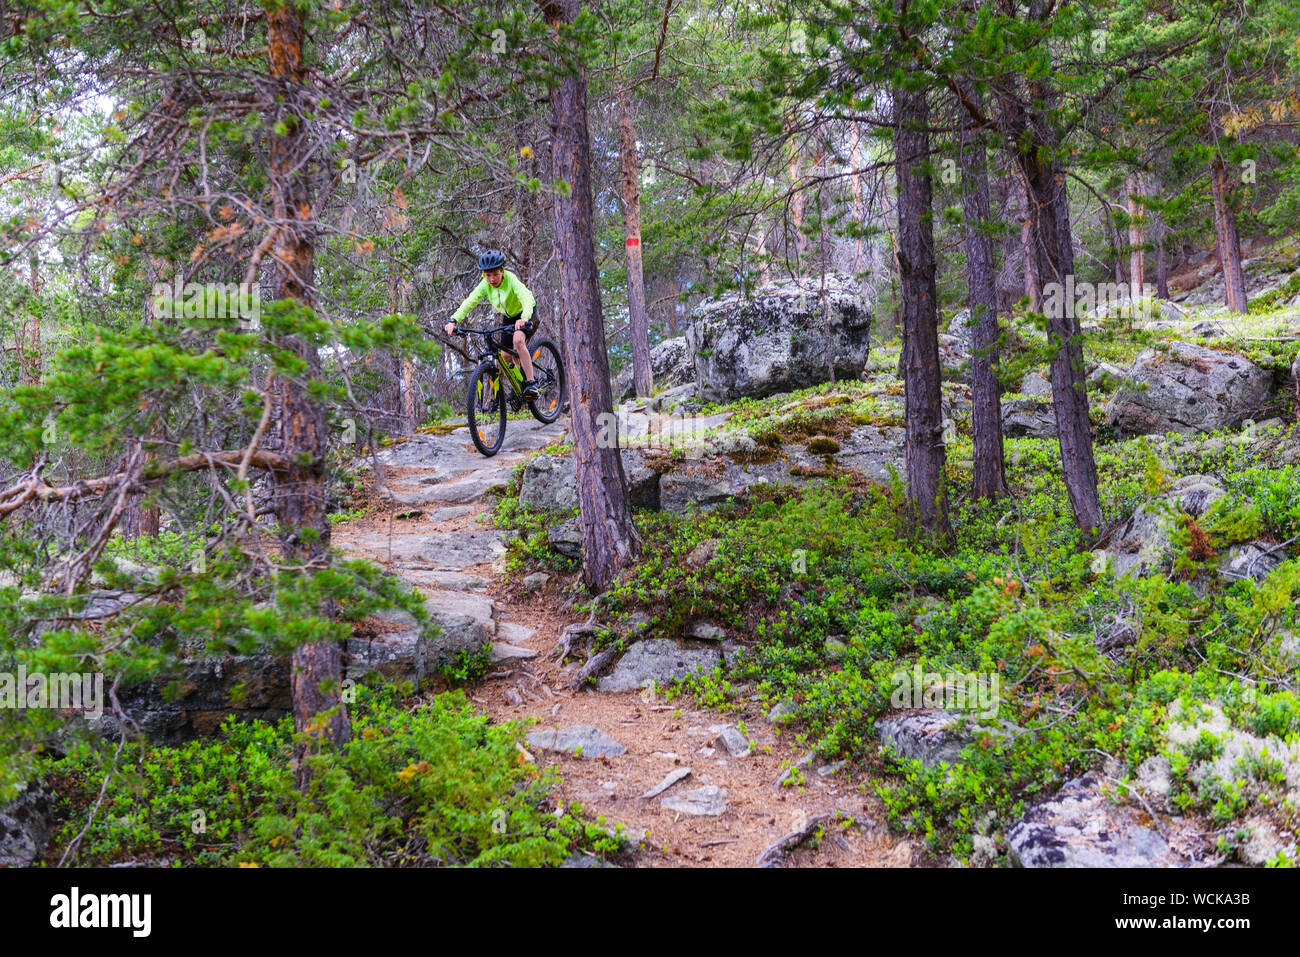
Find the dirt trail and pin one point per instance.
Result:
(448, 547)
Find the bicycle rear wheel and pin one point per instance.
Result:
(548, 374)
(485, 408)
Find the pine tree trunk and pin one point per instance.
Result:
(1053, 263)
(923, 414)
(797, 205)
(859, 209)
(637, 319)
(609, 537)
(299, 492)
(1162, 267)
(1137, 237)
(1226, 240)
(990, 479)
(1033, 287)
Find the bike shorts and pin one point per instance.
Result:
(505, 340)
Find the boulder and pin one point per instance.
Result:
(566, 538)
(1190, 389)
(24, 828)
(777, 341)
(671, 365)
(658, 660)
(549, 482)
(205, 692)
(1143, 543)
(1080, 827)
(706, 801)
(680, 398)
(1032, 418)
(931, 737)
(1253, 560)
(872, 449)
(703, 487)
(592, 742)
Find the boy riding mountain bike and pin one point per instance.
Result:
(509, 296)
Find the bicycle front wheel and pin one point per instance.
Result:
(548, 373)
(485, 408)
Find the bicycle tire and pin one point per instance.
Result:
(548, 367)
(477, 412)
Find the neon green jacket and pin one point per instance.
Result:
(511, 298)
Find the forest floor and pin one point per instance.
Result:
(660, 736)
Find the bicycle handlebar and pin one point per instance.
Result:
(483, 332)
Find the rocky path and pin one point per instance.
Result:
(685, 782)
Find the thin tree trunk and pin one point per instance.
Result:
(638, 321)
(299, 491)
(29, 358)
(859, 210)
(797, 205)
(990, 481)
(1226, 240)
(1054, 262)
(1033, 287)
(609, 537)
(1137, 236)
(672, 305)
(923, 416)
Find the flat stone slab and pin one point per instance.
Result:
(426, 579)
(448, 513)
(514, 632)
(671, 778)
(504, 652)
(709, 801)
(453, 550)
(593, 742)
(466, 488)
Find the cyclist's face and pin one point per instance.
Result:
(494, 276)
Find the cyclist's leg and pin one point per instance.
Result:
(521, 348)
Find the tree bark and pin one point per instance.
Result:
(1053, 259)
(1137, 236)
(797, 205)
(1227, 243)
(1033, 287)
(923, 416)
(299, 493)
(990, 480)
(609, 537)
(637, 319)
(859, 209)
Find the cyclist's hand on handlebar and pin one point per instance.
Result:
(449, 328)
(519, 325)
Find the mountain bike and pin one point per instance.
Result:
(496, 389)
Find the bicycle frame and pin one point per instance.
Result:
(509, 371)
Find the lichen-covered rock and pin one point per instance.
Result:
(549, 482)
(931, 737)
(872, 449)
(778, 340)
(210, 690)
(658, 660)
(24, 828)
(1143, 543)
(1080, 827)
(1188, 389)
(671, 365)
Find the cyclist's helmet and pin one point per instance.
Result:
(492, 259)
